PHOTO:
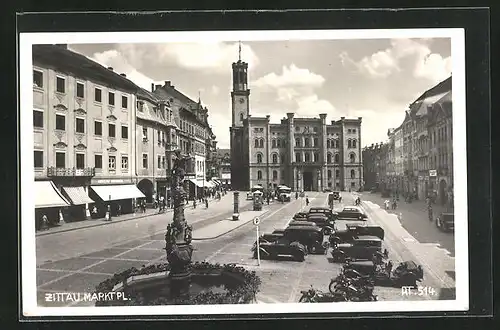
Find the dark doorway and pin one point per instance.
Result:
(442, 192)
(308, 181)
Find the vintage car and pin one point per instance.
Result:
(352, 213)
(285, 193)
(301, 224)
(446, 222)
(353, 230)
(407, 273)
(300, 216)
(310, 236)
(278, 248)
(360, 248)
(332, 215)
(322, 221)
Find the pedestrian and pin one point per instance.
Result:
(108, 213)
(394, 204)
(61, 217)
(45, 223)
(94, 212)
(340, 199)
(206, 203)
(386, 204)
(296, 195)
(307, 201)
(119, 211)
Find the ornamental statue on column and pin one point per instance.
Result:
(179, 234)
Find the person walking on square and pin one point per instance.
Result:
(119, 210)
(45, 223)
(94, 212)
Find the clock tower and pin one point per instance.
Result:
(240, 94)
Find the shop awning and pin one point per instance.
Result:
(196, 182)
(47, 195)
(209, 184)
(215, 183)
(118, 192)
(77, 195)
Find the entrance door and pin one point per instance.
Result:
(308, 181)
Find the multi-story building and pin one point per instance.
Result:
(371, 165)
(222, 171)
(398, 159)
(195, 135)
(391, 161)
(441, 149)
(83, 116)
(302, 153)
(409, 179)
(156, 135)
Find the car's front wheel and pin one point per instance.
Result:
(299, 256)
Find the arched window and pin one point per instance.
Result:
(261, 143)
(273, 144)
(259, 158)
(275, 159)
(306, 142)
(337, 173)
(354, 143)
(328, 144)
(315, 142)
(336, 143)
(353, 174)
(349, 145)
(259, 175)
(298, 158)
(316, 157)
(307, 157)
(337, 158)
(329, 158)
(275, 175)
(241, 116)
(329, 173)
(352, 157)
(297, 142)
(278, 143)
(256, 143)
(282, 158)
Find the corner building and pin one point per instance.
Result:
(303, 153)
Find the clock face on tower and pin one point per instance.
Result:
(242, 99)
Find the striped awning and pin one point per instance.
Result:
(196, 182)
(47, 195)
(77, 195)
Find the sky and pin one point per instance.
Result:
(375, 79)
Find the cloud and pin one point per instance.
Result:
(403, 55)
(208, 57)
(114, 59)
(311, 105)
(215, 90)
(373, 127)
(290, 76)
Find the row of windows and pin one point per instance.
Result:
(332, 143)
(329, 174)
(307, 158)
(192, 129)
(80, 160)
(298, 142)
(305, 142)
(79, 125)
(80, 89)
(278, 143)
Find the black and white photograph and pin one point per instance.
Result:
(291, 171)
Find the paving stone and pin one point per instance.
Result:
(160, 245)
(78, 282)
(114, 266)
(44, 276)
(108, 253)
(130, 245)
(72, 264)
(142, 254)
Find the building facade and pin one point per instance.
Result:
(398, 159)
(156, 134)
(83, 116)
(195, 136)
(371, 165)
(222, 169)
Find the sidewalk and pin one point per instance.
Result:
(417, 206)
(71, 226)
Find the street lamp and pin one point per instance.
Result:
(179, 234)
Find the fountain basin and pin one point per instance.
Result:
(209, 284)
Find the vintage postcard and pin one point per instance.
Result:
(266, 171)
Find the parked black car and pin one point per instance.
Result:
(352, 213)
(446, 222)
(300, 216)
(321, 221)
(280, 247)
(360, 248)
(330, 214)
(353, 231)
(302, 224)
(310, 236)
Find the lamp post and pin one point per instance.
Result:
(179, 234)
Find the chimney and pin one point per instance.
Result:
(152, 87)
(110, 68)
(158, 87)
(123, 75)
(168, 83)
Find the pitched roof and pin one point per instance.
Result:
(67, 61)
(147, 95)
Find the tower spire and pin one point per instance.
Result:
(239, 51)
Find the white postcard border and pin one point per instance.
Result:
(28, 257)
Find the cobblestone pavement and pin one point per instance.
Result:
(414, 219)
(282, 280)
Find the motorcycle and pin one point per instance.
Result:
(361, 293)
(313, 296)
